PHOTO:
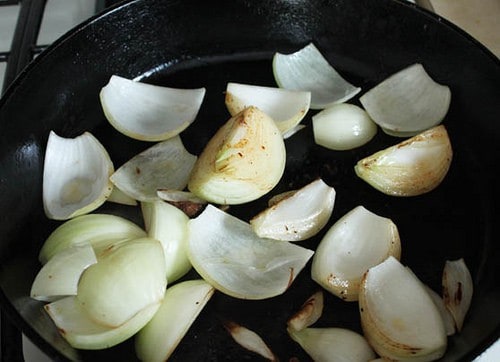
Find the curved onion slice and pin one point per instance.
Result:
(168, 225)
(130, 277)
(299, 216)
(343, 127)
(308, 314)
(357, 241)
(100, 230)
(244, 160)
(229, 255)
(164, 165)
(81, 332)
(448, 320)
(60, 276)
(333, 344)
(408, 102)
(307, 70)
(399, 318)
(286, 107)
(249, 340)
(75, 176)
(181, 305)
(410, 168)
(457, 290)
(149, 112)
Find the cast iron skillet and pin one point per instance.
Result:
(199, 43)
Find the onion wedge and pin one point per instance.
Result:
(457, 290)
(100, 230)
(333, 344)
(308, 70)
(226, 252)
(299, 216)
(60, 276)
(149, 112)
(75, 176)
(356, 242)
(74, 324)
(286, 107)
(399, 318)
(182, 304)
(249, 340)
(410, 168)
(408, 102)
(308, 314)
(164, 165)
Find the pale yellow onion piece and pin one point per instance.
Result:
(75, 176)
(410, 168)
(408, 102)
(182, 304)
(448, 320)
(119, 197)
(308, 314)
(168, 225)
(333, 344)
(100, 230)
(249, 340)
(308, 70)
(130, 277)
(164, 165)
(286, 107)
(149, 112)
(226, 252)
(358, 241)
(60, 276)
(342, 127)
(399, 318)
(457, 290)
(299, 216)
(74, 324)
(244, 160)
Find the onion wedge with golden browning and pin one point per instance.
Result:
(457, 290)
(308, 314)
(356, 242)
(399, 318)
(410, 168)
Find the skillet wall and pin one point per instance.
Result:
(366, 40)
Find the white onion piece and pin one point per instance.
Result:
(399, 318)
(100, 230)
(408, 102)
(75, 176)
(333, 344)
(130, 277)
(308, 314)
(457, 290)
(343, 127)
(60, 276)
(226, 252)
(308, 70)
(164, 165)
(119, 197)
(149, 112)
(168, 225)
(448, 320)
(182, 304)
(74, 324)
(292, 131)
(286, 107)
(356, 242)
(243, 161)
(179, 196)
(412, 167)
(249, 340)
(299, 216)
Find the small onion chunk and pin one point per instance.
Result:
(250, 340)
(412, 167)
(308, 70)
(457, 290)
(408, 102)
(75, 176)
(149, 112)
(343, 127)
(308, 314)
(356, 242)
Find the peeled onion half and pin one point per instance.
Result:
(408, 102)
(75, 176)
(149, 112)
(356, 242)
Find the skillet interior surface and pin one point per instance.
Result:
(198, 43)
